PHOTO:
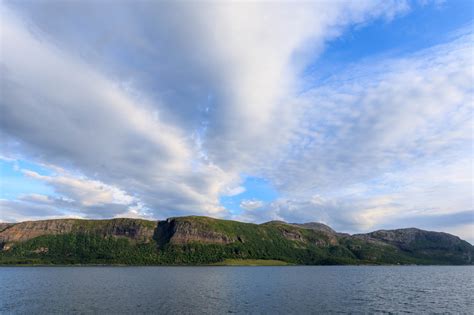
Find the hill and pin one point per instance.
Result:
(204, 240)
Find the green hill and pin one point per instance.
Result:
(204, 240)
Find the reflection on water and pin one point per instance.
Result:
(298, 289)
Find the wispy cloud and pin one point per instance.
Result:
(161, 108)
(383, 143)
(251, 204)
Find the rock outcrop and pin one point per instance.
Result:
(316, 226)
(4, 226)
(24, 231)
(135, 229)
(181, 239)
(183, 230)
(412, 238)
(423, 243)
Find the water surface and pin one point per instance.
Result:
(217, 290)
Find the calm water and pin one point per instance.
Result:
(218, 290)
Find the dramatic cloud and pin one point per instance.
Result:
(159, 109)
(61, 110)
(172, 119)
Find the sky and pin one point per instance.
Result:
(356, 114)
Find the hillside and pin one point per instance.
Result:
(204, 240)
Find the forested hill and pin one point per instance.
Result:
(204, 240)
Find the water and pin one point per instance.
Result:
(218, 290)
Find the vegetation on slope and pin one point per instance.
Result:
(202, 240)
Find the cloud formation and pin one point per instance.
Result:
(176, 141)
(384, 145)
(251, 204)
(159, 109)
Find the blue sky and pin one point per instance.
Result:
(15, 184)
(357, 114)
(253, 189)
(424, 25)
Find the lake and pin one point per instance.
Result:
(218, 290)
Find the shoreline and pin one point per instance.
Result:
(224, 265)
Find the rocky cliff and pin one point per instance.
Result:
(203, 240)
(191, 229)
(135, 229)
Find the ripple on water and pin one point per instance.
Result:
(297, 289)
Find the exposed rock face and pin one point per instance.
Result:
(316, 226)
(4, 226)
(409, 238)
(182, 231)
(24, 231)
(138, 230)
(292, 235)
(384, 246)
(422, 242)
(135, 229)
(324, 236)
(330, 236)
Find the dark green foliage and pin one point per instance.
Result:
(81, 248)
(95, 249)
(91, 243)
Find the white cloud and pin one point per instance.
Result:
(387, 144)
(84, 191)
(251, 204)
(376, 118)
(161, 107)
(234, 191)
(265, 48)
(128, 119)
(60, 109)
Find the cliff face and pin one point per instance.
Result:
(4, 226)
(138, 230)
(203, 239)
(183, 230)
(24, 231)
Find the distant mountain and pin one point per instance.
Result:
(204, 240)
